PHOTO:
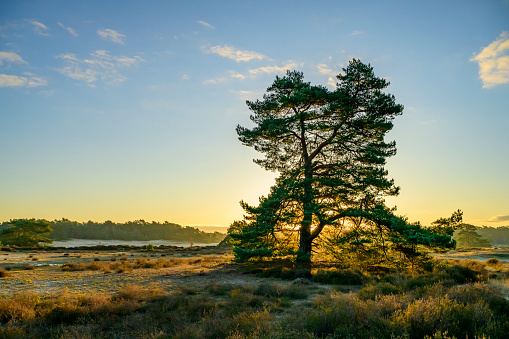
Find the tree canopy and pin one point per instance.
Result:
(26, 232)
(329, 150)
(467, 236)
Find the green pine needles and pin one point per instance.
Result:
(26, 233)
(329, 150)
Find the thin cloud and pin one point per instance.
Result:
(99, 66)
(499, 218)
(494, 62)
(111, 35)
(215, 81)
(331, 82)
(324, 69)
(231, 52)
(236, 75)
(30, 80)
(11, 57)
(68, 29)
(272, 69)
(40, 28)
(219, 80)
(356, 33)
(205, 24)
(246, 95)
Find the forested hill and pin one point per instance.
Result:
(65, 229)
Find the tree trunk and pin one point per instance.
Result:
(305, 242)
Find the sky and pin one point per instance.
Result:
(126, 110)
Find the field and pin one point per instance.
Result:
(198, 292)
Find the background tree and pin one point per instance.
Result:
(26, 232)
(329, 150)
(467, 236)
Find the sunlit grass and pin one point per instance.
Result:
(136, 295)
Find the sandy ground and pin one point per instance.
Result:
(45, 274)
(41, 271)
(502, 254)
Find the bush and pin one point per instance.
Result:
(493, 262)
(4, 273)
(427, 316)
(339, 316)
(274, 290)
(372, 291)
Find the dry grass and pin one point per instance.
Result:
(207, 296)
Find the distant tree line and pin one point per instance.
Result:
(473, 236)
(65, 229)
(498, 236)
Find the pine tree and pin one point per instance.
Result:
(26, 232)
(329, 150)
(467, 236)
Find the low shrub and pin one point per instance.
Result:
(218, 289)
(427, 316)
(4, 273)
(372, 291)
(275, 290)
(493, 262)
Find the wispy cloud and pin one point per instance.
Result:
(494, 62)
(273, 69)
(324, 69)
(236, 75)
(331, 82)
(205, 24)
(231, 52)
(40, 28)
(111, 35)
(215, 81)
(100, 66)
(499, 218)
(356, 33)
(246, 95)
(30, 80)
(68, 29)
(222, 79)
(11, 57)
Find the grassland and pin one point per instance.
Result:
(200, 293)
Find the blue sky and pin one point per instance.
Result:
(126, 110)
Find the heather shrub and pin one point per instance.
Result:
(493, 262)
(339, 315)
(218, 289)
(427, 316)
(19, 307)
(480, 292)
(275, 290)
(242, 299)
(372, 291)
(4, 273)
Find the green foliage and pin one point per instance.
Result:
(329, 150)
(466, 236)
(26, 233)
